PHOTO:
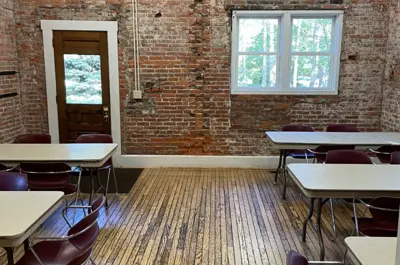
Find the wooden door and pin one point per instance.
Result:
(82, 79)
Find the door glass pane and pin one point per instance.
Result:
(257, 71)
(83, 79)
(310, 71)
(258, 35)
(311, 35)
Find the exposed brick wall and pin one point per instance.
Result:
(391, 81)
(185, 63)
(10, 115)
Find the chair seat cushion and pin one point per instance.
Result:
(55, 253)
(48, 180)
(371, 227)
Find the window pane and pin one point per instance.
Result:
(258, 35)
(311, 35)
(310, 71)
(257, 71)
(83, 79)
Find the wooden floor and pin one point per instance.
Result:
(205, 216)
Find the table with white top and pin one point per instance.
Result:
(286, 142)
(373, 250)
(323, 181)
(75, 155)
(303, 140)
(22, 212)
(91, 155)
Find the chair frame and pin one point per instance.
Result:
(77, 193)
(369, 206)
(9, 169)
(378, 152)
(109, 168)
(65, 238)
(105, 138)
(334, 235)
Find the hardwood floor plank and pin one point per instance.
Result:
(253, 251)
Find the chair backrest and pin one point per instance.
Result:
(388, 148)
(33, 138)
(386, 203)
(395, 158)
(13, 181)
(294, 258)
(347, 157)
(87, 229)
(297, 128)
(341, 128)
(94, 138)
(42, 176)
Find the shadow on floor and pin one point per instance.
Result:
(126, 178)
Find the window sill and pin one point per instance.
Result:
(287, 93)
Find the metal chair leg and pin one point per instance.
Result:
(115, 181)
(355, 217)
(334, 237)
(92, 261)
(64, 215)
(106, 189)
(78, 188)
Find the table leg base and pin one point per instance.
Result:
(10, 256)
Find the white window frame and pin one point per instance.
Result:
(285, 54)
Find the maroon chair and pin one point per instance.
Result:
(384, 212)
(395, 158)
(297, 154)
(321, 151)
(33, 138)
(46, 176)
(13, 181)
(73, 249)
(385, 216)
(384, 153)
(108, 166)
(294, 258)
(345, 157)
(341, 128)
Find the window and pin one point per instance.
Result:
(286, 52)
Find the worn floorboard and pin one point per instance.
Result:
(205, 216)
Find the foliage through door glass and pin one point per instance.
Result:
(83, 79)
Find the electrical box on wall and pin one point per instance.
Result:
(137, 94)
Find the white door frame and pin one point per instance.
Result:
(112, 30)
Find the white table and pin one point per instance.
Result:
(22, 212)
(75, 155)
(304, 140)
(323, 181)
(288, 141)
(83, 155)
(373, 250)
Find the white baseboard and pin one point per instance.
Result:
(151, 161)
